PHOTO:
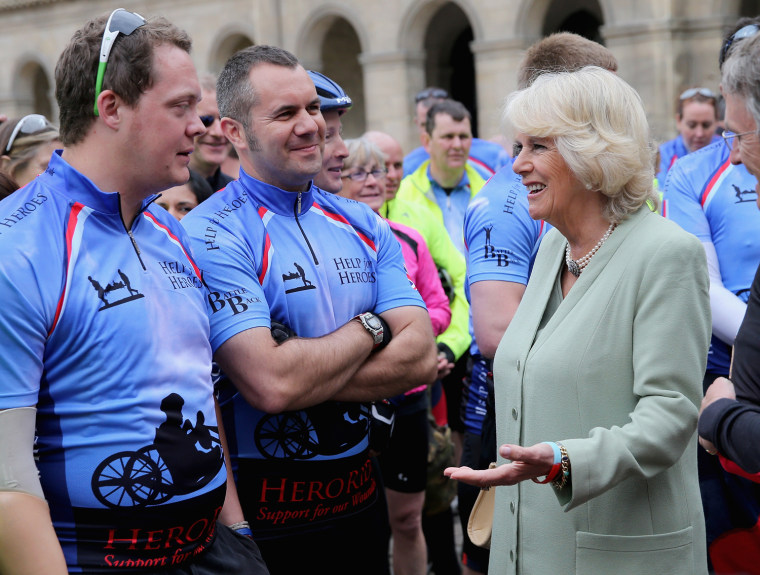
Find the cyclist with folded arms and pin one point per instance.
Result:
(111, 454)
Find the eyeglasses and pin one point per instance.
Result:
(362, 176)
(728, 138)
(431, 93)
(119, 22)
(691, 92)
(28, 125)
(746, 32)
(208, 119)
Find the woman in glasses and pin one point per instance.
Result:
(696, 120)
(364, 181)
(404, 461)
(27, 144)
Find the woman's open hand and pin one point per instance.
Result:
(526, 463)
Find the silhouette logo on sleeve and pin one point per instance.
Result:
(488, 246)
(182, 459)
(118, 288)
(500, 256)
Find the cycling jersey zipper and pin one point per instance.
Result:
(297, 209)
(137, 248)
(129, 231)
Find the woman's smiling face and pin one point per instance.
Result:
(552, 186)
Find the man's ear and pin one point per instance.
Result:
(426, 141)
(110, 108)
(234, 132)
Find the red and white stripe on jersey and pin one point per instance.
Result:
(74, 230)
(488, 169)
(175, 240)
(268, 254)
(338, 220)
(713, 184)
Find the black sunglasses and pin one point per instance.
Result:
(431, 93)
(740, 34)
(208, 119)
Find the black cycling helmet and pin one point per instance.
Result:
(331, 96)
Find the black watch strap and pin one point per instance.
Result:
(376, 327)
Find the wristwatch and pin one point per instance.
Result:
(373, 325)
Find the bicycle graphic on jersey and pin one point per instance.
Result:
(326, 429)
(182, 459)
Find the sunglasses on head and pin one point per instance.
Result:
(431, 93)
(119, 22)
(740, 34)
(28, 125)
(691, 92)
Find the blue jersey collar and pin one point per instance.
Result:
(275, 199)
(60, 176)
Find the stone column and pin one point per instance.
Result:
(661, 58)
(390, 81)
(496, 63)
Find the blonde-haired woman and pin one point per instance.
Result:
(600, 370)
(26, 145)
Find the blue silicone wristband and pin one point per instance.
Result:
(245, 531)
(557, 453)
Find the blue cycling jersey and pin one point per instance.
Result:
(485, 156)
(501, 244)
(670, 151)
(105, 331)
(313, 261)
(716, 201)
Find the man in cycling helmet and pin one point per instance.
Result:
(333, 103)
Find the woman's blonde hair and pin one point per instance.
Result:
(24, 149)
(600, 129)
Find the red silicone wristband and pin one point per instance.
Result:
(549, 476)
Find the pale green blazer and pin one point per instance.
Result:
(615, 375)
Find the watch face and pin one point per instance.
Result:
(373, 322)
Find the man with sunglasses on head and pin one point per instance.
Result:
(708, 194)
(729, 422)
(111, 457)
(278, 252)
(211, 148)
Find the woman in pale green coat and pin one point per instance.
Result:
(604, 358)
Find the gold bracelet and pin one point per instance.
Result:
(564, 475)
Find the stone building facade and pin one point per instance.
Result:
(384, 51)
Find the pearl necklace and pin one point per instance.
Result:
(575, 267)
